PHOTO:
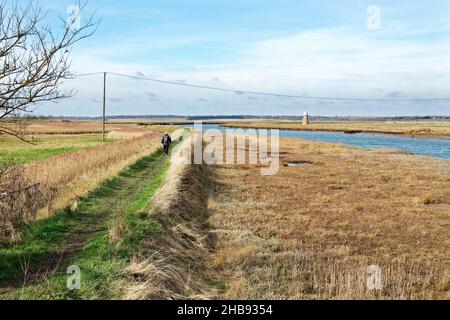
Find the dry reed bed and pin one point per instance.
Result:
(310, 232)
(126, 133)
(72, 127)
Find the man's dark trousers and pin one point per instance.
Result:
(166, 149)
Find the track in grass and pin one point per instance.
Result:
(98, 237)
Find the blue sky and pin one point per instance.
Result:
(316, 48)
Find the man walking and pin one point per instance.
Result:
(166, 141)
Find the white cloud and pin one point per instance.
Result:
(325, 62)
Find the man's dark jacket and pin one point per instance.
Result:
(166, 140)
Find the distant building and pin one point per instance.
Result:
(305, 119)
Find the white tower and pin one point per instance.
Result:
(305, 119)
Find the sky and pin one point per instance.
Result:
(343, 49)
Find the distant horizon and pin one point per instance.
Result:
(239, 116)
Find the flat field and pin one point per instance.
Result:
(14, 151)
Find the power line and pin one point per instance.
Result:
(87, 74)
(267, 93)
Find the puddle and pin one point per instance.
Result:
(297, 163)
(291, 164)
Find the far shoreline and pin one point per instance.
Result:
(350, 132)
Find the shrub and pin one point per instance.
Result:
(19, 202)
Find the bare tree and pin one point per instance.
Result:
(34, 59)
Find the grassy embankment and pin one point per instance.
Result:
(100, 237)
(421, 129)
(311, 231)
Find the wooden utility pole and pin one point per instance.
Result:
(104, 108)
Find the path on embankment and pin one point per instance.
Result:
(99, 237)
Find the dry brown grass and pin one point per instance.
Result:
(73, 126)
(19, 202)
(414, 128)
(310, 232)
(126, 133)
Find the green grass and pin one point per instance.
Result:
(28, 155)
(82, 238)
(15, 151)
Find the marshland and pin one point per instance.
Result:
(215, 150)
(144, 227)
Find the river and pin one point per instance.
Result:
(436, 148)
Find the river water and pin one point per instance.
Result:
(436, 148)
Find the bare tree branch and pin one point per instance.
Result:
(34, 59)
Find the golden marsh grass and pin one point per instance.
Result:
(312, 231)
